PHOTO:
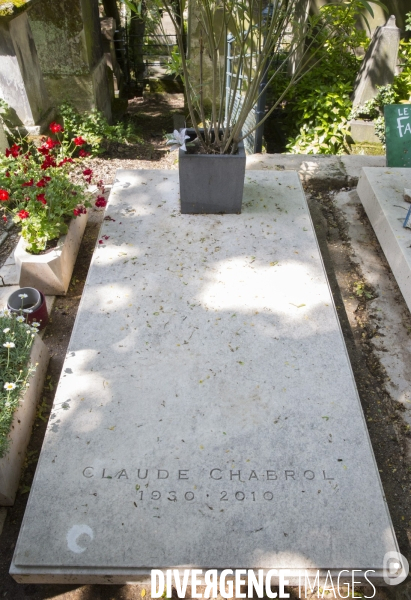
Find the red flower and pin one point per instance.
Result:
(83, 153)
(41, 183)
(101, 202)
(7, 173)
(44, 151)
(23, 214)
(46, 178)
(49, 161)
(4, 218)
(14, 151)
(55, 127)
(28, 183)
(88, 173)
(41, 198)
(4, 195)
(50, 144)
(79, 141)
(80, 210)
(64, 161)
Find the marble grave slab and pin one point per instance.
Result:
(207, 413)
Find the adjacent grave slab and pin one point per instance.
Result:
(381, 192)
(207, 413)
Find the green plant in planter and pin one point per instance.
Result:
(39, 191)
(16, 340)
(258, 33)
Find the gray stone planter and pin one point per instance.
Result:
(211, 183)
(12, 462)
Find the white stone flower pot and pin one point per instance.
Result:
(51, 273)
(12, 462)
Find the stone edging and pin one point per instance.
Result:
(12, 462)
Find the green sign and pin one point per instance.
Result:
(398, 134)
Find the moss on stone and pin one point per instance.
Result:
(367, 149)
(8, 7)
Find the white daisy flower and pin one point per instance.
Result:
(9, 386)
(9, 345)
(20, 319)
(23, 296)
(35, 324)
(6, 330)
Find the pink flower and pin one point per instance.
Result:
(41, 198)
(55, 127)
(28, 183)
(79, 141)
(4, 195)
(101, 202)
(23, 214)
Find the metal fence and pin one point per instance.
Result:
(253, 142)
(143, 56)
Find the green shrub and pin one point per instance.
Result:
(95, 129)
(319, 106)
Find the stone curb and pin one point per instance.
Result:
(322, 171)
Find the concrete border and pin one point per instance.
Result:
(12, 462)
(381, 193)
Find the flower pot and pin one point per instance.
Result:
(24, 300)
(34, 307)
(211, 183)
(51, 272)
(12, 462)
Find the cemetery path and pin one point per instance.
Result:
(354, 299)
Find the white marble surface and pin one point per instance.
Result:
(206, 365)
(381, 191)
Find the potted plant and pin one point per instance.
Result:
(242, 49)
(43, 194)
(23, 365)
